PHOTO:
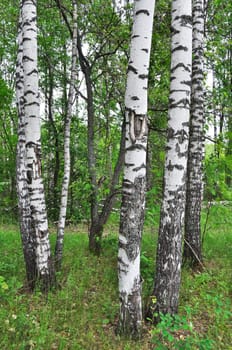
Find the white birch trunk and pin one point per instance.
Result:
(192, 246)
(66, 177)
(134, 181)
(33, 144)
(169, 252)
(26, 230)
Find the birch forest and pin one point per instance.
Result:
(116, 174)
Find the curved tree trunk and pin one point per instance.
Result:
(192, 244)
(169, 253)
(45, 270)
(26, 229)
(97, 229)
(98, 219)
(66, 177)
(134, 180)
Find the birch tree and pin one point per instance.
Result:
(31, 106)
(26, 230)
(66, 177)
(169, 252)
(134, 179)
(192, 244)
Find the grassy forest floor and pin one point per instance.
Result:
(82, 314)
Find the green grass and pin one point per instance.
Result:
(82, 314)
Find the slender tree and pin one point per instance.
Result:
(134, 179)
(44, 266)
(66, 177)
(26, 230)
(98, 217)
(192, 244)
(169, 253)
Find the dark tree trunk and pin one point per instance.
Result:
(97, 219)
(56, 144)
(192, 254)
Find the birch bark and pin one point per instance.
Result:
(192, 245)
(66, 177)
(169, 252)
(45, 271)
(26, 230)
(134, 180)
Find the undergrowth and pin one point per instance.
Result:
(82, 314)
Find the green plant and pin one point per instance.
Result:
(177, 332)
(3, 285)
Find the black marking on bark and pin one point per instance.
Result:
(179, 166)
(145, 12)
(120, 259)
(31, 144)
(184, 103)
(187, 82)
(181, 65)
(33, 71)
(31, 104)
(145, 50)
(135, 36)
(184, 19)
(132, 69)
(171, 166)
(128, 184)
(136, 146)
(174, 30)
(26, 39)
(33, 19)
(43, 234)
(143, 76)
(134, 98)
(132, 204)
(142, 166)
(180, 48)
(198, 71)
(28, 92)
(27, 58)
(129, 165)
(170, 133)
(185, 124)
(29, 177)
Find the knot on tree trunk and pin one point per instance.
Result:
(137, 126)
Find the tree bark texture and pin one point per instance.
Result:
(66, 177)
(26, 229)
(44, 264)
(169, 252)
(192, 245)
(53, 183)
(134, 179)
